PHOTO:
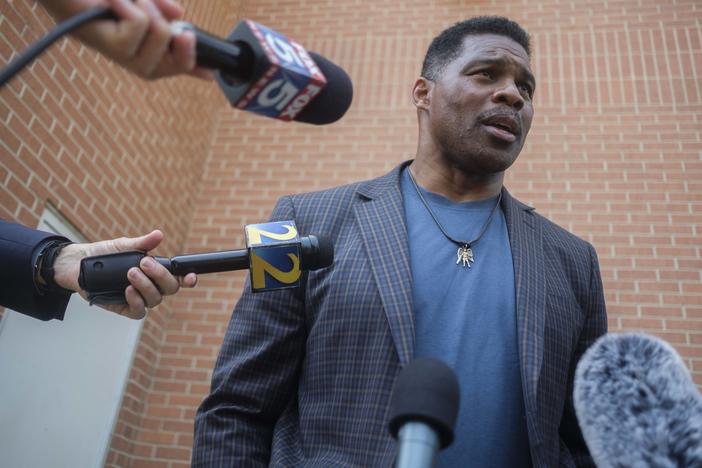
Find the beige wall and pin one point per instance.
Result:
(614, 155)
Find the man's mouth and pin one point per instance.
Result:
(502, 126)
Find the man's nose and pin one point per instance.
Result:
(508, 94)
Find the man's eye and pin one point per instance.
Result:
(526, 89)
(481, 73)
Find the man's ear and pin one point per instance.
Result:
(421, 93)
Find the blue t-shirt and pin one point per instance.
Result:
(466, 317)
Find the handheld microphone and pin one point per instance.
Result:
(274, 255)
(262, 71)
(423, 411)
(637, 404)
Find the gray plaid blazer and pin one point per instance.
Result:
(304, 376)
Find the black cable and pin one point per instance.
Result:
(61, 29)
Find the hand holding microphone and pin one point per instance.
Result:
(275, 255)
(258, 69)
(262, 71)
(144, 286)
(137, 35)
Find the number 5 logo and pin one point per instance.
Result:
(277, 94)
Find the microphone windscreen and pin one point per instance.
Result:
(637, 404)
(326, 252)
(426, 391)
(316, 252)
(334, 99)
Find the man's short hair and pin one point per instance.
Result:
(448, 45)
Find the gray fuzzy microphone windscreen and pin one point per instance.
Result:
(637, 404)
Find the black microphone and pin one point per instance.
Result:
(637, 404)
(423, 411)
(275, 256)
(262, 71)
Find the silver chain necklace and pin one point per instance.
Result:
(464, 254)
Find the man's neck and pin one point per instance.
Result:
(454, 184)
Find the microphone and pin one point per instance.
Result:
(637, 404)
(423, 411)
(275, 256)
(262, 71)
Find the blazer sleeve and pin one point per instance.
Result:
(18, 247)
(254, 378)
(574, 451)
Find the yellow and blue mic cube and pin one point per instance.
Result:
(274, 255)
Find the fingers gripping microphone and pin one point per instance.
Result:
(275, 256)
(423, 411)
(637, 404)
(262, 71)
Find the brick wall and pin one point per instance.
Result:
(110, 151)
(614, 155)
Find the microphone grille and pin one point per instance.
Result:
(426, 391)
(334, 99)
(326, 252)
(637, 404)
(317, 252)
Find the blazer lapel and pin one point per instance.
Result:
(525, 239)
(380, 216)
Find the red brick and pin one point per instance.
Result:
(692, 325)
(659, 311)
(160, 438)
(172, 453)
(640, 323)
(141, 463)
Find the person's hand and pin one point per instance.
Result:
(140, 40)
(149, 283)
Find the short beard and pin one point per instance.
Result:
(475, 159)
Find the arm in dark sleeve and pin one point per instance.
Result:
(19, 246)
(254, 377)
(572, 443)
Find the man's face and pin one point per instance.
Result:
(480, 106)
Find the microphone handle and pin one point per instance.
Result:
(418, 444)
(234, 60)
(104, 277)
(208, 262)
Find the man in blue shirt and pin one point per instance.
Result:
(475, 110)
(436, 259)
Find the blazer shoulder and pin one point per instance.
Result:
(571, 262)
(331, 210)
(341, 193)
(339, 200)
(562, 240)
(367, 189)
(553, 234)
(324, 211)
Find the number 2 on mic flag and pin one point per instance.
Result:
(274, 255)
